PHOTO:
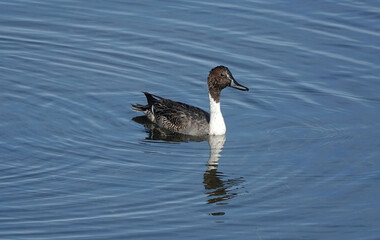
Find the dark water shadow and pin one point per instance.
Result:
(219, 188)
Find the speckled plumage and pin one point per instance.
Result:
(175, 116)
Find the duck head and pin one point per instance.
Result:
(219, 78)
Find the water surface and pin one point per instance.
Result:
(300, 159)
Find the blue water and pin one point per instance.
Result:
(301, 156)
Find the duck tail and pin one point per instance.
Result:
(139, 107)
(150, 98)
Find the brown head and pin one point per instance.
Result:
(219, 78)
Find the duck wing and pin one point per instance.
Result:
(176, 116)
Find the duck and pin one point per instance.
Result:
(182, 118)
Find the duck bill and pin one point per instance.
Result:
(237, 85)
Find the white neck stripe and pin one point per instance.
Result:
(217, 125)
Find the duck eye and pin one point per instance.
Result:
(222, 75)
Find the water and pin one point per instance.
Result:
(300, 159)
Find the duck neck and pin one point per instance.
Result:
(217, 125)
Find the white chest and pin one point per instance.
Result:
(217, 125)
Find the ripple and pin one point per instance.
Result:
(302, 132)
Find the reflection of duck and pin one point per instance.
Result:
(216, 144)
(217, 189)
(186, 119)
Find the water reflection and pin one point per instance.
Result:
(219, 187)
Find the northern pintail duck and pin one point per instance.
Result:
(186, 119)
